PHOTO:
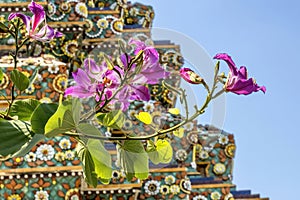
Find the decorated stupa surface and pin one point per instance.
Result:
(202, 162)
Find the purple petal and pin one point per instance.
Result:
(58, 34)
(38, 14)
(225, 57)
(81, 78)
(243, 72)
(45, 34)
(124, 60)
(190, 76)
(140, 92)
(78, 91)
(93, 69)
(243, 86)
(26, 19)
(151, 74)
(139, 45)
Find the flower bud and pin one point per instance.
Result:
(190, 76)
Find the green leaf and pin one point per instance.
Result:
(102, 160)
(3, 28)
(63, 119)
(29, 145)
(1, 75)
(162, 152)
(13, 136)
(59, 123)
(84, 155)
(114, 119)
(41, 115)
(33, 76)
(23, 108)
(76, 109)
(88, 129)
(133, 159)
(19, 79)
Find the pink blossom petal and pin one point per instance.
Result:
(225, 57)
(38, 14)
(26, 19)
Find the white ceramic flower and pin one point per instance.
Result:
(41, 195)
(219, 168)
(174, 189)
(152, 187)
(65, 144)
(187, 185)
(189, 126)
(60, 156)
(170, 179)
(148, 106)
(199, 197)
(53, 69)
(30, 157)
(223, 139)
(203, 155)
(229, 196)
(69, 155)
(164, 189)
(215, 195)
(45, 152)
(181, 155)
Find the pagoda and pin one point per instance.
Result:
(202, 164)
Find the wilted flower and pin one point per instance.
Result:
(36, 26)
(237, 80)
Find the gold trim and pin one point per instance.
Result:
(20, 4)
(207, 186)
(206, 168)
(19, 97)
(138, 30)
(96, 40)
(86, 187)
(40, 170)
(179, 169)
(10, 47)
(66, 24)
(167, 46)
(104, 12)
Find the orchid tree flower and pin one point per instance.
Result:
(237, 81)
(190, 76)
(92, 81)
(36, 26)
(152, 71)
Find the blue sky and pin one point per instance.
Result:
(263, 35)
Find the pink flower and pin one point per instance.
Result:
(237, 80)
(36, 26)
(152, 71)
(190, 76)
